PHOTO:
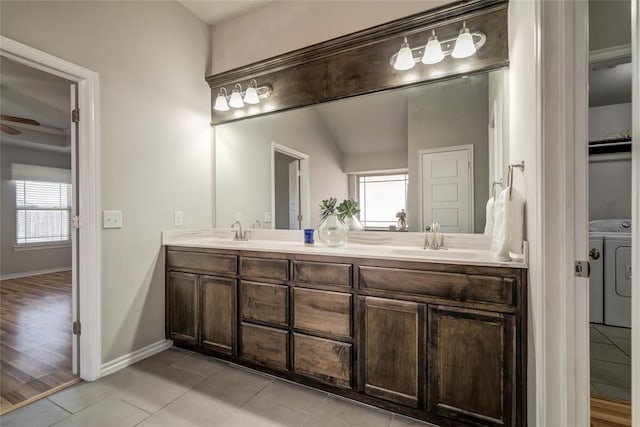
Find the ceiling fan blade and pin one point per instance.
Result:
(19, 120)
(9, 130)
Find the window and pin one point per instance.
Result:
(43, 212)
(381, 197)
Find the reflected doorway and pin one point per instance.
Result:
(289, 188)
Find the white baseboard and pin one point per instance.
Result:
(136, 356)
(33, 273)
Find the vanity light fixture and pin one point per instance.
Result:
(466, 44)
(404, 57)
(433, 50)
(464, 47)
(253, 95)
(221, 101)
(236, 97)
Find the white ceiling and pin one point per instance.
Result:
(215, 11)
(33, 94)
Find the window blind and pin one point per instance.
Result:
(381, 197)
(43, 212)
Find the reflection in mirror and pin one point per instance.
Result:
(433, 151)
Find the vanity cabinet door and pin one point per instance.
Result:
(182, 307)
(391, 333)
(218, 308)
(471, 365)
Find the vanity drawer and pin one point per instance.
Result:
(326, 360)
(198, 261)
(322, 311)
(322, 273)
(263, 302)
(265, 268)
(452, 286)
(265, 346)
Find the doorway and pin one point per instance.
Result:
(610, 198)
(87, 263)
(290, 208)
(37, 142)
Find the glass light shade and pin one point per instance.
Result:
(221, 102)
(251, 95)
(464, 47)
(404, 57)
(236, 97)
(432, 51)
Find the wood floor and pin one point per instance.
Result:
(35, 337)
(609, 412)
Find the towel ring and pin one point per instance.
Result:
(519, 165)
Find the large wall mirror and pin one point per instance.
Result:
(434, 150)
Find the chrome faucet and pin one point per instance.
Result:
(239, 235)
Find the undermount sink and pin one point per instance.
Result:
(430, 253)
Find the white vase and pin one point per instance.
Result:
(333, 232)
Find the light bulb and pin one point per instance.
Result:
(464, 44)
(251, 95)
(236, 97)
(404, 57)
(432, 51)
(221, 101)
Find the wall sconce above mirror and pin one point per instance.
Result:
(461, 38)
(463, 46)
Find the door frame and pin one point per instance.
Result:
(305, 183)
(88, 247)
(635, 213)
(469, 149)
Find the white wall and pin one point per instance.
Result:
(608, 121)
(243, 164)
(280, 27)
(450, 113)
(524, 145)
(156, 149)
(13, 261)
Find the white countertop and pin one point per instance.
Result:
(474, 251)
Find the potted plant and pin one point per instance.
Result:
(332, 231)
(347, 211)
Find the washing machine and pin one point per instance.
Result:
(610, 283)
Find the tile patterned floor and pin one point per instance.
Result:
(610, 361)
(180, 388)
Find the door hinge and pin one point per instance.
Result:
(75, 222)
(581, 269)
(75, 115)
(299, 218)
(76, 327)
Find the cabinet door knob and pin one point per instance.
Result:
(594, 253)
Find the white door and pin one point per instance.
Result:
(294, 195)
(75, 315)
(447, 194)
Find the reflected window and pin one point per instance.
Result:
(381, 197)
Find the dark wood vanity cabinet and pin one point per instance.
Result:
(443, 343)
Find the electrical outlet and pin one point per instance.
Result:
(112, 219)
(178, 218)
(267, 217)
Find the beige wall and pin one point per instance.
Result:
(13, 261)
(156, 150)
(283, 26)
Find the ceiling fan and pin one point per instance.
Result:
(11, 130)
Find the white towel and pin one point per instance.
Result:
(488, 225)
(508, 225)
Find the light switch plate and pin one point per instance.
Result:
(111, 219)
(178, 218)
(267, 217)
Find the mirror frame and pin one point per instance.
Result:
(358, 63)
